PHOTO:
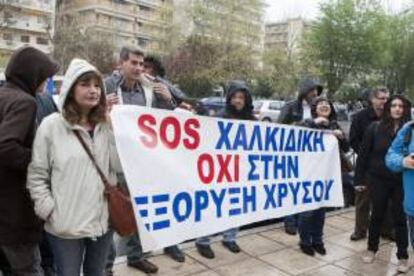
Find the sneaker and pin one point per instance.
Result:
(369, 257)
(356, 236)
(403, 266)
(175, 253)
(232, 246)
(319, 248)
(205, 251)
(308, 250)
(143, 265)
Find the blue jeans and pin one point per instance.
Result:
(291, 222)
(311, 227)
(72, 254)
(411, 228)
(228, 236)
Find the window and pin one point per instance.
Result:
(42, 41)
(25, 39)
(143, 42)
(7, 36)
(275, 106)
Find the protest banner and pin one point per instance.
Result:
(191, 176)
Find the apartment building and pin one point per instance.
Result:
(286, 35)
(143, 23)
(24, 22)
(241, 23)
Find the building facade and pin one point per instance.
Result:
(143, 23)
(286, 35)
(240, 22)
(25, 22)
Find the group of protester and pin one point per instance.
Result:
(53, 197)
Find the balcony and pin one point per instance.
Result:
(33, 6)
(12, 45)
(126, 11)
(29, 27)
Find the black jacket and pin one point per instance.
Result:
(229, 112)
(293, 111)
(359, 125)
(370, 164)
(333, 125)
(45, 107)
(27, 70)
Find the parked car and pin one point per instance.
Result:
(267, 110)
(211, 106)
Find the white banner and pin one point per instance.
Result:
(191, 176)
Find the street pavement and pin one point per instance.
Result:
(268, 250)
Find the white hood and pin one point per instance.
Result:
(77, 68)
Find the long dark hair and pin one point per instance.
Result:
(387, 122)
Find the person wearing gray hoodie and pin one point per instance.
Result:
(64, 184)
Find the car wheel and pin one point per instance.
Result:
(266, 119)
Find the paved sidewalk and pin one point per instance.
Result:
(269, 251)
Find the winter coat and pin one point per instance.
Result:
(27, 70)
(293, 111)
(229, 112)
(394, 161)
(142, 95)
(362, 120)
(45, 107)
(370, 165)
(63, 182)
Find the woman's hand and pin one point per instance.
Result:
(408, 161)
(321, 120)
(338, 133)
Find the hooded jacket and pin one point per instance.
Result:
(63, 182)
(399, 149)
(27, 70)
(293, 111)
(332, 125)
(229, 111)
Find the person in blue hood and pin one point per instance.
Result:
(400, 158)
(239, 106)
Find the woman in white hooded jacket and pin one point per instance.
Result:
(64, 184)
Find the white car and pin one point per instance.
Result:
(267, 110)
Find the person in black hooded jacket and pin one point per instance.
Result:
(311, 223)
(20, 228)
(299, 109)
(293, 112)
(239, 106)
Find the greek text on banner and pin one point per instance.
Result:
(191, 176)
